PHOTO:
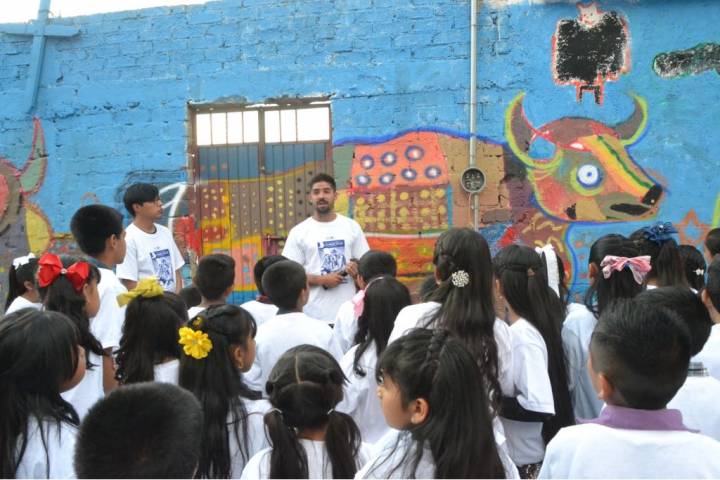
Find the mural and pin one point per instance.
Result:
(590, 50)
(693, 61)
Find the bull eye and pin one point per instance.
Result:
(589, 176)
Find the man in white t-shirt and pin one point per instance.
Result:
(151, 249)
(327, 245)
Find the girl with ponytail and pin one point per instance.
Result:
(22, 292)
(541, 402)
(657, 241)
(309, 438)
(218, 347)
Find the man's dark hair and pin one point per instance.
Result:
(144, 430)
(644, 350)
(322, 177)
(283, 282)
(260, 267)
(215, 274)
(712, 287)
(92, 225)
(139, 193)
(712, 241)
(375, 263)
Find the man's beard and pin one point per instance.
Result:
(323, 208)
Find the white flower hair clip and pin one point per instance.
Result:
(460, 278)
(699, 272)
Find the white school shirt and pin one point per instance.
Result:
(533, 391)
(710, 354)
(319, 465)
(697, 400)
(256, 438)
(21, 302)
(282, 333)
(325, 247)
(345, 326)
(361, 401)
(167, 372)
(193, 311)
(413, 316)
(90, 389)
(107, 325)
(151, 254)
(261, 312)
(577, 330)
(60, 444)
(598, 451)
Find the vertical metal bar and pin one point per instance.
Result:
(473, 100)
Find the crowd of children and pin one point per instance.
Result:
(109, 368)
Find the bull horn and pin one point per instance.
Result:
(631, 129)
(33, 173)
(520, 133)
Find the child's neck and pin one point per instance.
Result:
(30, 297)
(106, 258)
(317, 434)
(147, 225)
(714, 316)
(208, 303)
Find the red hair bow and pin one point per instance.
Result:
(50, 267)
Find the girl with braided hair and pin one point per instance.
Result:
(309, 438)
(432, 392)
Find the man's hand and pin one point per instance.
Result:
(332, 280)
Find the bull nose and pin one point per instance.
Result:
(653, 195)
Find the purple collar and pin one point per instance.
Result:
(635, 419)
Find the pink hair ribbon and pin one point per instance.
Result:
(639, 266)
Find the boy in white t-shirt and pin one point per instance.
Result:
(262, 309)
(327, 246)
(99, 232)
(639, 357)
(160, 439)
(710, 354)
(286, 284)
(151, 249)
(215, 279)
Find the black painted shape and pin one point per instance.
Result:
(693, 61)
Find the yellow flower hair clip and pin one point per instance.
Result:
(148, 287)
(197, 321)
(195, 343)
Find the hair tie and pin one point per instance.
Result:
(147, 287)
(358, 300)
(196, 343)
(530, 272)
(460, 278)
(659, 232)
(50, 267)
(553, 273)
(639, 266)
(20, 261)
(699, 272)
(332, 410)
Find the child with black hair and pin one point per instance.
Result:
(286, 285)
(151, 249)
(191, 296)
(98, 231)
(40, 357)
(711, 246)
(541, 403)
(431, 390)
(215, 278)
(149, 348)
(219, 347)
(262, 309)
(657, 241)
(697, 398)
(309, 437)
(463, 305)
(639, 357)
(159, 439)
(22, 292)
(710, 353)
(372, 264)
(615, 270)
(383, 299)
(69, 285)
(695, 266)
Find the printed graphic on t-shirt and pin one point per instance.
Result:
(162, 264)
(332, 253)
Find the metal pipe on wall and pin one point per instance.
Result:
(473, 100)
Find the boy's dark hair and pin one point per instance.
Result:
(689, 308)
(283, 282)
(375, 263)
(712, 241)
(144, 430)
(712, 287)
(92, 225)
(191, 296)
(695, 266)
(215, 274)
(644, 350)
(322, 177)
(260, 267)
(139, 193)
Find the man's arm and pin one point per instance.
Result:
(331, 280)
(178, 280)
(129, 284)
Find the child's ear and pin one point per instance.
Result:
(228, 291)
(29, 286)
(419, 409)
(706, 300)
(592, 272)
(438, 280)
(240, 356)
(605, 388)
